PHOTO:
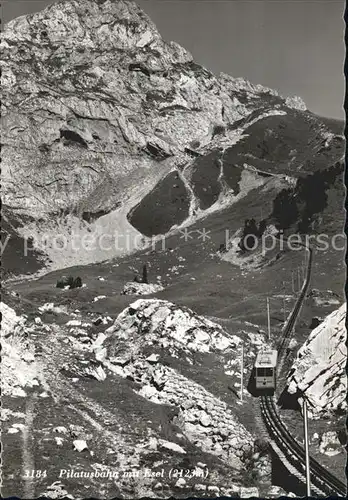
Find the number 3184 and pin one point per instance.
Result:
(35, 473)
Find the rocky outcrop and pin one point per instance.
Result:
(20, 368)
(319, 370)
(98, 108)
(98, 84)
(204, 419)
(296, 103)
(154, 324)
(323, 298)
(166, 326)
(11, 323)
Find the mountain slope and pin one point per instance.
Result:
(59, 392)
(97, 104)
(118, 139)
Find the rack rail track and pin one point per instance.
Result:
(323, 482)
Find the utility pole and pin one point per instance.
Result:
(242, 373)
(284, 302)
(268, 320)
(305, 421)
(284, 309)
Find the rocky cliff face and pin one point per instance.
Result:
(319, 370)
(98, 109)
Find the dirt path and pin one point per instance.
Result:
(28, 461)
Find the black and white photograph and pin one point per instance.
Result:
(173, 249)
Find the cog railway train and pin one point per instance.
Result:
(265, 369)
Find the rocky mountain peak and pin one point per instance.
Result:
(71, 19)
(76, 35)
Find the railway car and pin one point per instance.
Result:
(265, 369)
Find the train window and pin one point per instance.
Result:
(264, 372)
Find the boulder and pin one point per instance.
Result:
(80, 445)
(153, 443)
(153, 358)
(249, 492)
(330, 444)
(200, 487)
(65, 281)
(98, 373)
(181, 483)
(69, 282)
(172, 446)
(134, 288)
(214, 489)
(205, 420)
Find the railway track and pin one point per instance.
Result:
(284, 444)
